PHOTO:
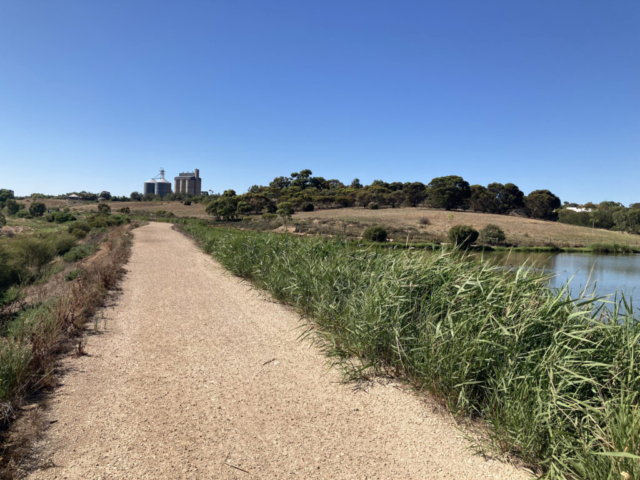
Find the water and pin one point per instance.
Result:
(608, 274)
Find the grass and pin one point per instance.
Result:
(32, 333)
(555, 381)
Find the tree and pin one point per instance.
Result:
(542, 204)
(104, 209)
(355, 183)
(6, 194)
(243, 208)
(505, 197)
(479, 199)
(106, 195)
(37, 209)
(414, 193)
(13, 207)
(280, 183)
(448, 192)
(285, 210)
(229, 193)
(136, 197)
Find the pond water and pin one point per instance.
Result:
(608, 274)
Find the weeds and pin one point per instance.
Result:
(556, 380)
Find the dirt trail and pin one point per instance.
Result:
(199, 376)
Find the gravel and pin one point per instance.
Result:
(197, 375)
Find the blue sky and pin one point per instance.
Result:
(100, 95)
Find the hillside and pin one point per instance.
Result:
(525, 232)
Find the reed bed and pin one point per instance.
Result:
(553, 380)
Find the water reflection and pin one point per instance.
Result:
(608, 273)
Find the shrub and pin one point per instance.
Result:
(463, 235)
(104, 208)
(30, 254)
(78, 253)
(424, 221)
(246, 218)
(79, 234)
(98, 221)
(269, 216)
(307, 207)
(60, 217)
(373, 206)
(63, 242)
(13, 207)
(125, 210)
(37, 209)
(72, 275)
(186, 202)
(375, 233)
(492, 234)
(84, 226)
(3, 220)
(24, 214)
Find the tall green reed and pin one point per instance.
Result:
(555, 380)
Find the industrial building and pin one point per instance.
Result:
(157, 185)
(189, 183)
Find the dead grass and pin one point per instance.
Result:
(525, 232)
(177, 208)
(74, 304)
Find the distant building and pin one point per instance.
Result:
(190, 183)
(73, 197)
(158, 185)
(579, 209)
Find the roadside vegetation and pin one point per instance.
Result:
(553, 381)
(50, 285)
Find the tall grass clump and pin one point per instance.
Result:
(555, 380)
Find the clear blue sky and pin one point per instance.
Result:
(98, 95)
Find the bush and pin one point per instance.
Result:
(60, 217)
(187, 202)
(78, 253)
(13, 207)
(84, 226)
(24, 214)
(424, 221)
(492, 234)
(30, 254)
(72, 275)
(246, 218)
(373, 206)
(63, 242)
(37, 209)
(269, 216)
(463, 235)
(104, 208)
(375, 233)
(307, 207)
(98, 221)
(125, 210)
(79, 234)
(3, 220)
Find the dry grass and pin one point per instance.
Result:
(37, 343)
(524, 232)
(177, 208)
(519, 231)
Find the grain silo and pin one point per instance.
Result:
(157, 185)
(162, 186)
(149, 187)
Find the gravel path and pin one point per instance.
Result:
(199, 376)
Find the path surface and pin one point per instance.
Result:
(183, 384)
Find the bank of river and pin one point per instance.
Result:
(608, 274)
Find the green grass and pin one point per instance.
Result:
(555, 381)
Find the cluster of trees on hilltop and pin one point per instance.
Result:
(305, 192)
(608, 215)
